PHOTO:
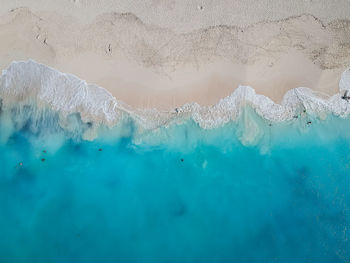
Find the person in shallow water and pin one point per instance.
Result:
(346, 96)
(243, 200)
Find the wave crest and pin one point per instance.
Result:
(28, 82)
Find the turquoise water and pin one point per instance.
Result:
(177, 194)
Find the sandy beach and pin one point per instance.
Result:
(169, 53)
(174, 131)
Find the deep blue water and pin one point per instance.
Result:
(178, 194)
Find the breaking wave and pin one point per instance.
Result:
(28, 84)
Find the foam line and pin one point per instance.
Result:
(26, 82)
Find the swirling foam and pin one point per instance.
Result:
(28, 82)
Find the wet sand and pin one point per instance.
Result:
(148, 61)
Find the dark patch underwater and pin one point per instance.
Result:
(181, 194)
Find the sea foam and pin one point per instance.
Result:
(263, 187)
(32, 83)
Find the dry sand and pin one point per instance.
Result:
(166, 53)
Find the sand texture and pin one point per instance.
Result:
(199, 55)
(34, 89)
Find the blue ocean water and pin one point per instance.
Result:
(177, 194)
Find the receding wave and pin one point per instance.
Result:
(86, 178)
(28, 84)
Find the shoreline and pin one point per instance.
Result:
(149, 66)
(212, 84)
(206, 85)
(30, 83)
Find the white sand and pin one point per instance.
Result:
(173, 52)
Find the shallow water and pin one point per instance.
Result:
(278, 193)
